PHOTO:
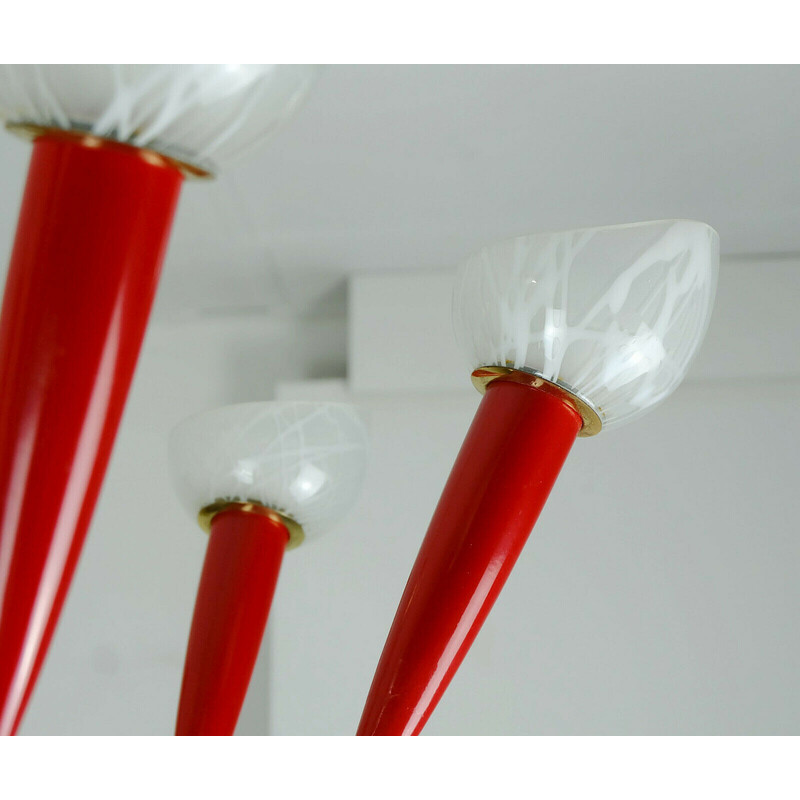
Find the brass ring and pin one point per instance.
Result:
(592, 422)
(206, 514)
(31, 132)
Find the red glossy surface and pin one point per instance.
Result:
(240, 573)
(507, 465)
(91, 236)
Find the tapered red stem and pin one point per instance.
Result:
(243, 561)
(508, 463)
(91, 237)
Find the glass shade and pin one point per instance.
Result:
(306, 460)
(202, 114)
(615, 314)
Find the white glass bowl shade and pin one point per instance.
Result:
(615, 314)
(303, 459)
(202, 114)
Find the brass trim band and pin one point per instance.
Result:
(592, 423)
(31, 132)
(206, 514)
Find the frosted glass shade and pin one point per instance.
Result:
(305, 460)
(615, 314)
(202, 114)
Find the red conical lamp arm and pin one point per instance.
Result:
(505, 470)
(241, 569)
(91, 237)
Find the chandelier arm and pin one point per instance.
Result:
(240, 572)
(500, 481)
(91, 236)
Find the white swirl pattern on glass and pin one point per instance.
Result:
(202, 114)
(614, 313)
(306, 460)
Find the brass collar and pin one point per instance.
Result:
(206, 514)
(592, 423)
(31, 132)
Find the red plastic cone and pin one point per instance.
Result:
(91, 237)
(241, 569)
(505, 470)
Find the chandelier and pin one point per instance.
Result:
(568, 335)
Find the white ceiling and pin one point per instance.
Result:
(399, 167)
